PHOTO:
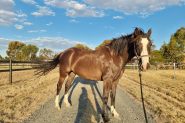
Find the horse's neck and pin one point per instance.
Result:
(130, 51)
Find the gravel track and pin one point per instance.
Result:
(86, 106)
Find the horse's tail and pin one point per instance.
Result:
(45, 67)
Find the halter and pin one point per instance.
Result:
(139, 57)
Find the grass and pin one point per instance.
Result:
(164, 95)
(25, 95)
(14, 67)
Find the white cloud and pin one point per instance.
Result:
(57, 44)
(118, 17)
(19, 27)
(43, 30)
(7, 14)
(73, 21)
(43, 11)
(75, 9)
(27, 23)
(32, 31)
(49, 24)
(29, 1)
(141, 7)
(36, 31)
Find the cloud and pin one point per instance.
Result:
(141, 7)
(75, 9)
(36, 31)
(4, 45)
(73, 21)
(27, 23)
(29, 1)
(7, 15)
(43, 30)
(57, 44)
(19, 27)
(43, 11)
(117, 17)
(49, 24)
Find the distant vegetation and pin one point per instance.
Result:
(82, 46)
(171, 52)
(21, 52)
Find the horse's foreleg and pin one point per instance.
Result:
(106, 90)
(67, 87)
(113, 96)
(59, 86)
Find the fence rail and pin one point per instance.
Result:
(10, 66)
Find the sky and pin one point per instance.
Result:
(60, 24)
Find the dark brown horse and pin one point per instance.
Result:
(103, 64)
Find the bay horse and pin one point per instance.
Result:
(106, 64)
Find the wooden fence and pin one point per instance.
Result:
(10, 66)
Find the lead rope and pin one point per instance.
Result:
(141, 84)
(142, 98)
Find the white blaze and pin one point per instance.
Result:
(145, 59)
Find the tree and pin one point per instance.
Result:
(82, 46)
(1, 58)
(14, 48)
(20, 51)
(156, 57)
(175, 49)
(46, 54)
(29, 52)
(165, 52)
(105, 42)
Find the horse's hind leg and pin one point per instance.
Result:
(61, 80)
(67, 87)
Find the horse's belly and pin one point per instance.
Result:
(88, 73)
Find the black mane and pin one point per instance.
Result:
(119, 44)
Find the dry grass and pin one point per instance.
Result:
(25, 95)
(164, 95)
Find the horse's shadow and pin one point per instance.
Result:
(85, 104)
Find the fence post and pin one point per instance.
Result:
(174, 65)
(10, 71)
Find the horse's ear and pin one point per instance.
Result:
(149, 32)
(137, 31)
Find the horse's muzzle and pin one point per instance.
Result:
(145, 67)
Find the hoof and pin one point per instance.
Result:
(106, 118)
(115, 113)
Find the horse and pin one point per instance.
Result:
(106, 64)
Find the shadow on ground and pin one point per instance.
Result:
(87, 113)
